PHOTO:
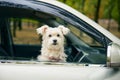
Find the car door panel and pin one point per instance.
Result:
(57, 72)
(28, 51)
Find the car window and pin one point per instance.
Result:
(24, 31)
(82, 44)
(83, 36)
(78, 45)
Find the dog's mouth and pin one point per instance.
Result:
(54, 43)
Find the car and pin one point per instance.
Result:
(93, 52)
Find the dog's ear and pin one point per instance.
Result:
(42, 29)
(64, 30)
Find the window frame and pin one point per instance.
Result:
(6, 39)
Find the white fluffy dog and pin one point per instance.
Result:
(53, 43)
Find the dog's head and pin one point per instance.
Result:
(53, 37)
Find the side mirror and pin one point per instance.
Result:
(113, 55)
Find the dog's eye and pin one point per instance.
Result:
(50, 35)
(58, 35)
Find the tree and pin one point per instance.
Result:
(14, 27)
(64, 1)
(118, 5)
(109, 12)
(20, 24)
(82, 6)
(97, 11)
(17, 23)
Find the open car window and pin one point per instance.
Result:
(24, 31)
(80, 47)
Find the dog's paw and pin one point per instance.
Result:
(42, 58)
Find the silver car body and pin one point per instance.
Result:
(32, 70)
(56, 71)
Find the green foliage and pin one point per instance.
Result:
(115, 13)
(89, 7)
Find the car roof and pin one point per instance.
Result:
(32, 4)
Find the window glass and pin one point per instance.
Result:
(83, 36)
(24, 31)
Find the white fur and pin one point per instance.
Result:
(52, 50)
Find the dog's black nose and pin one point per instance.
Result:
(55, 41)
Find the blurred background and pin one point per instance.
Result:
(104, 12)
